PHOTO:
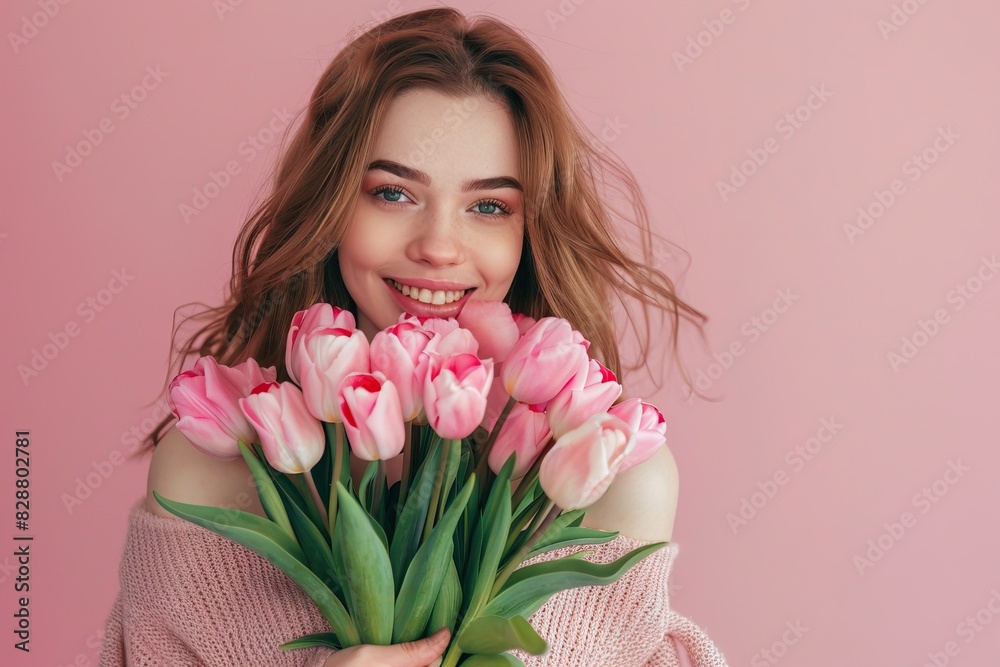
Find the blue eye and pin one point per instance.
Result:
(497, 209)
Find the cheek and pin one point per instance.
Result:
(505, 260)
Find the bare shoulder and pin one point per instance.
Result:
(180, 471)
(641, 502)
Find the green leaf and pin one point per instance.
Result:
(518, 535)
(316, 546)
(570, 536)
(496, 634)
(529, 587)
(270, 499)
(450, 473)
(410, 524)
(282, 482)
(448, 604)
(318, 639)
(370, 591)
(471, 572)
(267, 540)
(422, 582)
(494, 660)
(234, 524)
(496, 516)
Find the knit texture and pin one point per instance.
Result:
(191, 597)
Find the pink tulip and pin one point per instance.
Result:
(547, 357)
(372, 417)
(206, 402)
(572, 406)
(525, 431)
(583, 462)
(436, 325)
(396, 353)
(455, 390)
(493, 326)
(292, 439)
(316, 316)
(650, 429)
(523, 322)
(327, 355)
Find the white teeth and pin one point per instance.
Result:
(424, 295)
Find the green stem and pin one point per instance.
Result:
(379, 481)
(528, 480)
(484, 453)
(551, 512)
(314, 492)
(404, 483)
(435, 495)
(338, 462)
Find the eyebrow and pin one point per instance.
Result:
(411, 174)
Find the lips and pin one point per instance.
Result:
(415, 307)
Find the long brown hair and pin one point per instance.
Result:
(573, 261)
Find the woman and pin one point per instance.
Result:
(437, 164)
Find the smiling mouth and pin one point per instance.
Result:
(424, 295)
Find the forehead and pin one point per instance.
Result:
(452, 139)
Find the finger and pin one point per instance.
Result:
(417, 653)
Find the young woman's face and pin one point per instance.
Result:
(439, 210)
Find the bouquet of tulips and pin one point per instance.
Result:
(443, 546)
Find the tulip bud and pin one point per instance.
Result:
(574, 405)
(581, 465)
(396, 352)
(206, 402)
(292, 439)
(316, 316)
(650, 429)
(455, 392)
(525, 431)
(493, 326)
(328, 355)
(544, 360)
(372, 417)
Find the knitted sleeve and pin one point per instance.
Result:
(627, 623)
(190, 597)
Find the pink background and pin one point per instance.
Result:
(683, 127)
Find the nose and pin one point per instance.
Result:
(437, 240)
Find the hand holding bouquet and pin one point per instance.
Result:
(443, 546)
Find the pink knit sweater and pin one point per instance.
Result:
(191, 597)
